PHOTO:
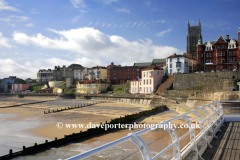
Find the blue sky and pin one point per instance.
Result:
(41, 34)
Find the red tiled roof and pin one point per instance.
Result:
(155, 67)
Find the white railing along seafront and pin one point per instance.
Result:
(214, 119)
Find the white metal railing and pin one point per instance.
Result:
(197, 145)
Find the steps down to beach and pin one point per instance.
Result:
(166, 84)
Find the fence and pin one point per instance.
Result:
(211, 118)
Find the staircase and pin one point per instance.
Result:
(166, 84)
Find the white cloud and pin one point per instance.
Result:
(83, 11)
(4, 6)
(140, 24)
(30, 25)
(123, 10)
(160, 21)
(14, 18)
(90, 23)
(10, 67)
(163, 32)
(91, 43)
(134, 24)
(109, 25)
(28, 63)
(4, 42)
(78, 3)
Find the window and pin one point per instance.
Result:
(171, 65)
(133, 72)
(210, 54)
(114, 74)
(114, 70)
(135, 83)
(150, 89)
(223, 59)
(132, 90)
(147, 81)
(230, 59)
(210, 60)
(219, 60)
(144, 90)
(233, 59)
(84, 85)
(94, 85)
(143, 74)
(150, 81)
(137, 77)
(233, 53)
(199, 62)
(170, 60)
(143, 81)
(88, 85)
(135, 90)
(230, 53)
(178, 59)
(128, 69)
(147, 74)
(207, 55)
(140, 83)
(133, 69)
(133, 76)
(170, 71)
(219, 53)
(147, 89)
(223, 53)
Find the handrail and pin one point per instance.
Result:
(214, 122)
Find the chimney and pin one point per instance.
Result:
(227, 37)
(174, 54)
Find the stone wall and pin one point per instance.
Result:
(211, 81)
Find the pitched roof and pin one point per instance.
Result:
(159, 60)
(180, 55)
(155, 67)
(145, 64)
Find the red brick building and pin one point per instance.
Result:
(222, 54)
(118, 74)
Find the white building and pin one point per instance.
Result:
(80, 73)
(180, 64)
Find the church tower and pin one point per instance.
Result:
(194, 34)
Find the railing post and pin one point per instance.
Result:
(141, 145)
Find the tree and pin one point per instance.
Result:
(19, 80)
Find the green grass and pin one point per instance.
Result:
(69, 91)
(36, 88)
(121, 89)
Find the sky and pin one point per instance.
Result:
(42, 34)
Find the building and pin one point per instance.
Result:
(181, 64)
(59, 73)
(96, 73)
(118, 74)
(44, 75)
(9, 80)
(222, 54)
(3, 88)
(69, 71)
(46, 90)
(150, 81)
(194, 34)
(18, 88)
(80, 73)
(92, 87)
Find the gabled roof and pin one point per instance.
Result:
(222, 38)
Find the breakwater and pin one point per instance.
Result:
(79, 136)
(71, 107)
